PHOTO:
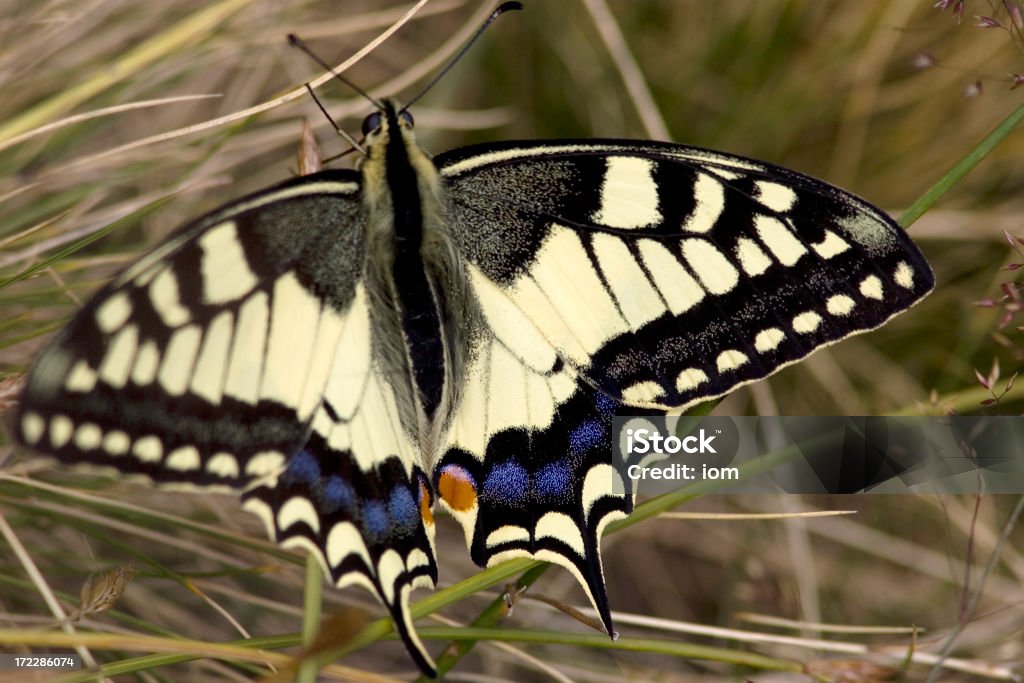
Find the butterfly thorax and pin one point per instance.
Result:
(413, 275)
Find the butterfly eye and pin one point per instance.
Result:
(372, 123)
(406, 117)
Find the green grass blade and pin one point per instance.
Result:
(962, 168)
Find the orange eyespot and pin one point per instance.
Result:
(457, 488)
(425, 511)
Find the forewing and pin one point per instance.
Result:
(667, 275)
(203, 362)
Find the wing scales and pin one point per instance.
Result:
(355, 494)
(608, 274)
(542, 485)
(667, 275)
(650, 276)
(526, 467)
(238, 354)
(202, 363)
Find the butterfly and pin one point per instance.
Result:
(355, 349)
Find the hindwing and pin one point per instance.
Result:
(526, 465)
(355, 494)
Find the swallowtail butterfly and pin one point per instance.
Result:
(353, 347)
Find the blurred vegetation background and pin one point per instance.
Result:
(124, 119)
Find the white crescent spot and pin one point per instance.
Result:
(88, 437)
(871, 287)
(730, 359)
(183, 459)
(904, 275)
(116, 442)
(61, 428)
(690, 378)
(32, 427)
(769, 339)
(806, 322)
(840, 305)
(223, 465)
(148, 449)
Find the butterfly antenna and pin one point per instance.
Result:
(295, 41)
(337, 129)
(501, 9)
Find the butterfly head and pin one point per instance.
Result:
(387, 122)
(391, 149)
(390, 116)
(389, 138)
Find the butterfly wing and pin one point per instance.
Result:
(202, 363)
(354, 494)
(644, 277)
(237, 354)
(668, 275)
(526, 466)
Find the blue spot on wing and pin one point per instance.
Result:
(554, 480)
(376, 523)
(338, 493)
(506, 483)
(302, 468)
(404, 511)
(588, 434)
(605, 404)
